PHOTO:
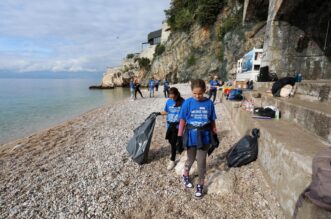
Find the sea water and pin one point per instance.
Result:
(30, 105)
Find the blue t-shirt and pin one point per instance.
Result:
(156, 82)
(173, 112)
(166, 85)
(132, 85)
(151, 83)
(198, 114)
(213, 84)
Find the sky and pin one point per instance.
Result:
(74, 35)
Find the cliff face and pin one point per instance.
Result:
(201, 52)
(120, 76)
(294, 35)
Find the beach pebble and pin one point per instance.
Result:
(81, 169)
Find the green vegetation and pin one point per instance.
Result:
(230, 23)
(130, 56)
(184, 13)
(159, 49)
(144, 63)
(191, 61)
(220, 54)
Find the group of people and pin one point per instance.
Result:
(154, 84)
(191, 125)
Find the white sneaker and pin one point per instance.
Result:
(171, 165)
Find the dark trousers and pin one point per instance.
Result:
(173, 152)
(137, 90)
(156, 87)
(212, 93)
(166, 93)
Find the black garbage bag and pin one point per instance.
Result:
(278, 85)
(138, 146)
(244, 151)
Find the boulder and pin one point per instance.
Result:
(221, 183)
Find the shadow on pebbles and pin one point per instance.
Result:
(81, 169)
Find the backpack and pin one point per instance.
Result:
(319, 190)
(235, 94)
(244, 151)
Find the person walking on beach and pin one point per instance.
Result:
(132, 89)
(156, 84)
(171, 110)
(198, 117)
(151, 85)
(137, 88)
(213, 88)
(166, 87)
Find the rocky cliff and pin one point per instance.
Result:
(120, 76)
(295, 36)
(203, 52)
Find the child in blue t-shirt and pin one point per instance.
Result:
(213, 88)
(132, 88)
(172, 109)
(151, 85)
(198, 117)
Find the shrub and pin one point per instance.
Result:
(130, 56)
(144, 63)
(208, 11)
(220, 55)
(191, 61)
(183, 13)
(229, 24)
(159, 49)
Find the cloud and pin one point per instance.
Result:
(74, 35)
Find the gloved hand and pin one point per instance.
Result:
(157, 113)
(216, 140)
(214, 145)
(211, 149)
(179, 145)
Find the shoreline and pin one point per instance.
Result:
(56, 124)
(81, 169)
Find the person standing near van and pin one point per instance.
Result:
(213, 88)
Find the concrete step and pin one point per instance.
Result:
(317, 90)
(285, 154)
(314, 116)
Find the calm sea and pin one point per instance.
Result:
(30, 105)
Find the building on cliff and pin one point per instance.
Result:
(120, 76)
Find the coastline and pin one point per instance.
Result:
(81, 168)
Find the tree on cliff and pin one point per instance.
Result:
(184, 13)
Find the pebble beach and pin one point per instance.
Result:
(81, 169)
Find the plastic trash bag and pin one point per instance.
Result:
(138, 146)
(244, 151)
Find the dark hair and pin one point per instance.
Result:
(179, 100)
(198, 83)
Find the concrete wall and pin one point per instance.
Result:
(165, 32)
(148, 52)
(287, 22)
